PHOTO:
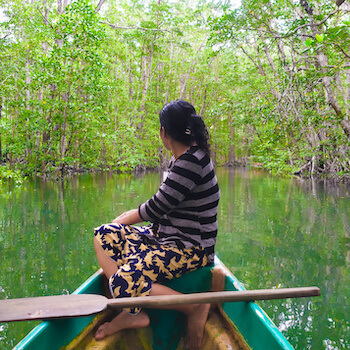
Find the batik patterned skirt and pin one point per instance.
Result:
(140, 264)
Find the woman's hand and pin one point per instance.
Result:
(128, 218)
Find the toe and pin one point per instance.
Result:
(100, 333)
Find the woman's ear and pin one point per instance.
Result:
(163, 133)
(165, 138)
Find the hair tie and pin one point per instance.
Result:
(188, 131)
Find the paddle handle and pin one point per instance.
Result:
(214, 297)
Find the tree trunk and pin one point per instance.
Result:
(170, 71)
(342, 91)
(322, 60)
(187, 75)
(28, 96)
(147, 75)
(347, 93)
(0, 134)
(116, 99)
(232, 155)
(205, 89)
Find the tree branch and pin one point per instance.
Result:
(138, 28)
(100, 3)
(302, 168)
(341, 49)
(308, 25)
(6, 35)
(339, 2)
(3, 82)
(308, 9)
(45, 18)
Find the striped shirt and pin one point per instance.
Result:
(185, 207)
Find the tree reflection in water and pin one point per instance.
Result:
(273, 232)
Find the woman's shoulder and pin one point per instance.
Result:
(201, 157)
(195, 154)
(194, 157)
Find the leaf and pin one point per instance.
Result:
(308, 42)
(319, 37)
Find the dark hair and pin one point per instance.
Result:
(181, 122)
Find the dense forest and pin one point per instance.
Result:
(82, 83)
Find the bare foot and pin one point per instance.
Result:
(218, 282)
(123, 321)
(195, 326)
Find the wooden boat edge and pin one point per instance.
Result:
(280, 341)
(254, 310)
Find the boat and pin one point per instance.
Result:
(232, 325)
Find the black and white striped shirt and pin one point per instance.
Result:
(185, 206)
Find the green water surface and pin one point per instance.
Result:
(273, 233)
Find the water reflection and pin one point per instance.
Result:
(277, 232)
(273, 233)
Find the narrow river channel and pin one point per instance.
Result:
(273, 233)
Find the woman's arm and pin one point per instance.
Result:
(129, 217)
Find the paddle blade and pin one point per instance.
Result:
(57, 306)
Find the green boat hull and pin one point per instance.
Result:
(259, 332)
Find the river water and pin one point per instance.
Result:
(273, 233)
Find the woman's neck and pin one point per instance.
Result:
(178, 149)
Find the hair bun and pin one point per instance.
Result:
(181, 121)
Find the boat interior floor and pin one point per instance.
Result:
(219, 334)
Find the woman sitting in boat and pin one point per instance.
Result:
(181, 238)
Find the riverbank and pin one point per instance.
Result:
(17, 176)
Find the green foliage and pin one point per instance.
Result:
(280, 87)
(82, 89)
(10, 176)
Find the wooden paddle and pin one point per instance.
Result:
(76, 305)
